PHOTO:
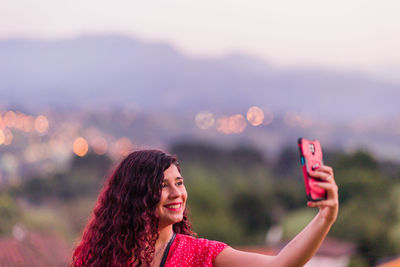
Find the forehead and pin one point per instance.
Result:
(172, 172)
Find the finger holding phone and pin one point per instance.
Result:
(321, 192)
(324, 179)
(319, 181)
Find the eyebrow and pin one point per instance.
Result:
(177, 178)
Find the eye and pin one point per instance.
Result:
(180, 183)
(163, 185)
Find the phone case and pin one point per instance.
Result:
(311, 159)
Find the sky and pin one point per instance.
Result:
(357, 35)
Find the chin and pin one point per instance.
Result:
(177, 220)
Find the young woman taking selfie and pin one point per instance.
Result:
(140, 219)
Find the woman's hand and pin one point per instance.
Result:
(306, 243)
(328, 208)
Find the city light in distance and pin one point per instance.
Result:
(8, 137)
(99, 145)
(294, 119)
(231, 125)
(41, 124)
(2, 137)
(204, 120)
(9, 118)
(255, 116)
(80, 146)
(123, 147)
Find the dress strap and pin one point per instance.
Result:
(165, 255)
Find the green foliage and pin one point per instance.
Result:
(288, 165)
(368, 211)
(251, 211)
(9, 213)
(290, 195)
(359, 160)
(208, 209)
(367, 222)
(235, 191)
(234, 195)
(84, 178)
(358, 261)
(295, 221)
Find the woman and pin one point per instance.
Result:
(140, 219)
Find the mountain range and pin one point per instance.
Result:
(113, 70)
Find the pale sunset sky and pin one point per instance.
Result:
(359, 35)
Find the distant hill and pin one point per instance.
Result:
(113, 70)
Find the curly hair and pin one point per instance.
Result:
(123, 228)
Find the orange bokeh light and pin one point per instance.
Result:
(237, 123)
(2, 123)
(123, 147)
(27, 124)
(2, 137)
(10, 118)
(99, 145)
(223, 125)
(255, 116)
(80, 146)
(230, 125)
(41, 124)
(8, 137)
(19, 121)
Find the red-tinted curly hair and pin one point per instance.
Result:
(123, 228)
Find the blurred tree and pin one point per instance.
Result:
(208, 209)
(290, 194)
(367, 222)
(252, 211)
(288, 164)
(9, 213)
(296, 220)
(358, 159)
(84, 178)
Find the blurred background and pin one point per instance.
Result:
(227, 86)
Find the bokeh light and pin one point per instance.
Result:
(2, 123)
(10, 118)
(8, 137)
(27, 123)
(41, 124)
(80, 146)
(232, 124)
(99, 145)
(294, 119)
(223, 125)
(36, 152)
(19, 123)
(2, 137)
(237, 123)
(255, 116)
(123, 147)
(268, 117)
(204, 120)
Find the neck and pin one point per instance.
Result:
(164, 235)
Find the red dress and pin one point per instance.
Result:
(189, 251)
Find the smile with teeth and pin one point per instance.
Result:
(174, 206)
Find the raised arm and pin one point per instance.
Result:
(305, 244)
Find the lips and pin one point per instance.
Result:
(174, 206)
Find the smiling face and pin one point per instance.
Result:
(173, 198)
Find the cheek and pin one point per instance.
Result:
(184, 194)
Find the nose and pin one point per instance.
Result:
(175, 192)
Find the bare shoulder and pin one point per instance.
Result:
(233, 257)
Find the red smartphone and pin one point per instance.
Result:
(311, 159)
